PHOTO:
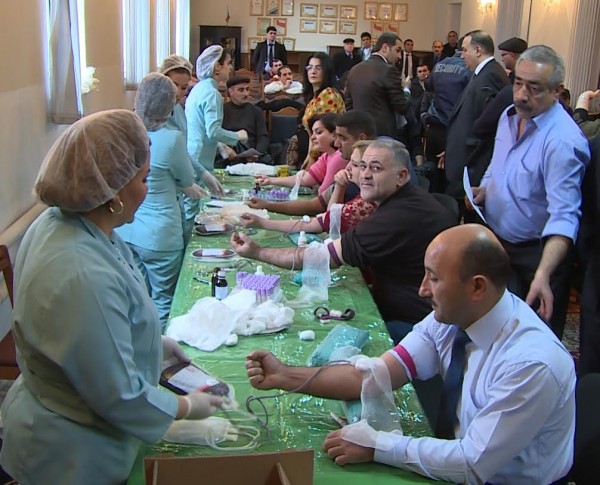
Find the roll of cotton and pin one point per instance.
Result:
(231, 340)
(306, 335)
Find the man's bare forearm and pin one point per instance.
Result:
(333, 382)
(555, 251)
(310, 207)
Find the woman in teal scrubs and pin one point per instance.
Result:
(156, 234)
(88, 338)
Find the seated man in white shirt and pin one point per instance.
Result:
(513, 415)
(283, 82)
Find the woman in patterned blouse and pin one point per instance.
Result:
(320, 94)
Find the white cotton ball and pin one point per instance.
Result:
(231, 340)
(306, 335)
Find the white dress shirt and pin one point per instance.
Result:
(517, 407)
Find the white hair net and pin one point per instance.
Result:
(205, 64)
(93, 160)
(175, 62)
(155, 99)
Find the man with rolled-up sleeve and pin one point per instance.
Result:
(531, 191)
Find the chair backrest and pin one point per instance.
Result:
(7, 271)
(283, 124)
(449, 203)
(8, 356)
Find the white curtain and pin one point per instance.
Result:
(64, 101)
(182, 28)
(136, 40)
(163, 30)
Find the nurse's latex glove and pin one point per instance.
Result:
(195, 192)
(172, 353)
(213, 184)
(242, 136)
(201, 405)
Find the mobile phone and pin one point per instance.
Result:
(184, 378)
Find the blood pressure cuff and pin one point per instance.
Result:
(340, 336)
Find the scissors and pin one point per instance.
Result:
(324, 313)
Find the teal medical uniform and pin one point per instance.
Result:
(89, 350)
(156, 236)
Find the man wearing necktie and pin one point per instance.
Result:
(266, 52)
(345, 60)
(409, 68)
(507, 412)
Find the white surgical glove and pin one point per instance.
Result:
(242, 136)
(213, 184)
(172, 353)
(195, 192)
(201, 405)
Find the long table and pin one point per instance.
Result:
(295, 420)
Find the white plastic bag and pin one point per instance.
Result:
(335, 221)
(316, 276)
(296, 188)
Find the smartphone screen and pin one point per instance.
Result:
(187, 378)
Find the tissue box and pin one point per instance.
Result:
(287, 467)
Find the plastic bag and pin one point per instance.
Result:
(335, 221)
(296, 188)
(316, 277)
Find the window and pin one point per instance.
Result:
(136, 41)
(182, 28)
(163, 30)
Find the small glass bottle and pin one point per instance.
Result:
(221, 286)
(213, 280)
(256, 188)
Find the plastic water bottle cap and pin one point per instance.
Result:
(259, 270)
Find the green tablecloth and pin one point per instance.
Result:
(296, 420)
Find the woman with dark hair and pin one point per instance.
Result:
(330, 162)
(320, 94)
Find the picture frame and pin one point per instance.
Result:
(309, 10)
(289, 43)
(377, 28)
(252, 41)
(327, 26)
(401, 12)
(273, 7)
(287, 8)
(261, 25)
(328, 11)
(392, 27)
(281, 26)
(308, 25)
(385, 11)
(348, 12)
(370, 11)
(257, 8)
(347, 27)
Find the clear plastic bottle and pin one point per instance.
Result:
(221, 286)
(302, 240)
(259, 270)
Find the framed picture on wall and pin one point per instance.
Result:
(273, 8)
(348, 12)
(256, 8)
(401, 12)
(377, 29)
(261, 25)
(281, 26)
(309, 10)
(370, 10)
(287, 7)
(308, 25)
(289, 43)
(329, 11)
(252, 41)
(385, 11)
(392, 27)
(347, 27)
(327, 27)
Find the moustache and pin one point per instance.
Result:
(523, 106)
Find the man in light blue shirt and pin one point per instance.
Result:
(531, 189)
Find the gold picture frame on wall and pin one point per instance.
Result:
(273, 8)
(257, 8)
(370, 10)
(309, 10)
(289, 43)
(327, 26)
(287, 8)
(385, 11)
(347, 27)
(252, 42)
(377, 28)
(392, 27)
(329, 11)
(309, 25)
(281, 25)
(261, 25)
(401, 12)
(348, 12)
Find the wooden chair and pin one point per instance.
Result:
(9, 370)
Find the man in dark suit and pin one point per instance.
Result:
(267, 51)
(436, 54)
(449, 48)
(345, 60)
(375, 86)
(407, 62)
(463, 148)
